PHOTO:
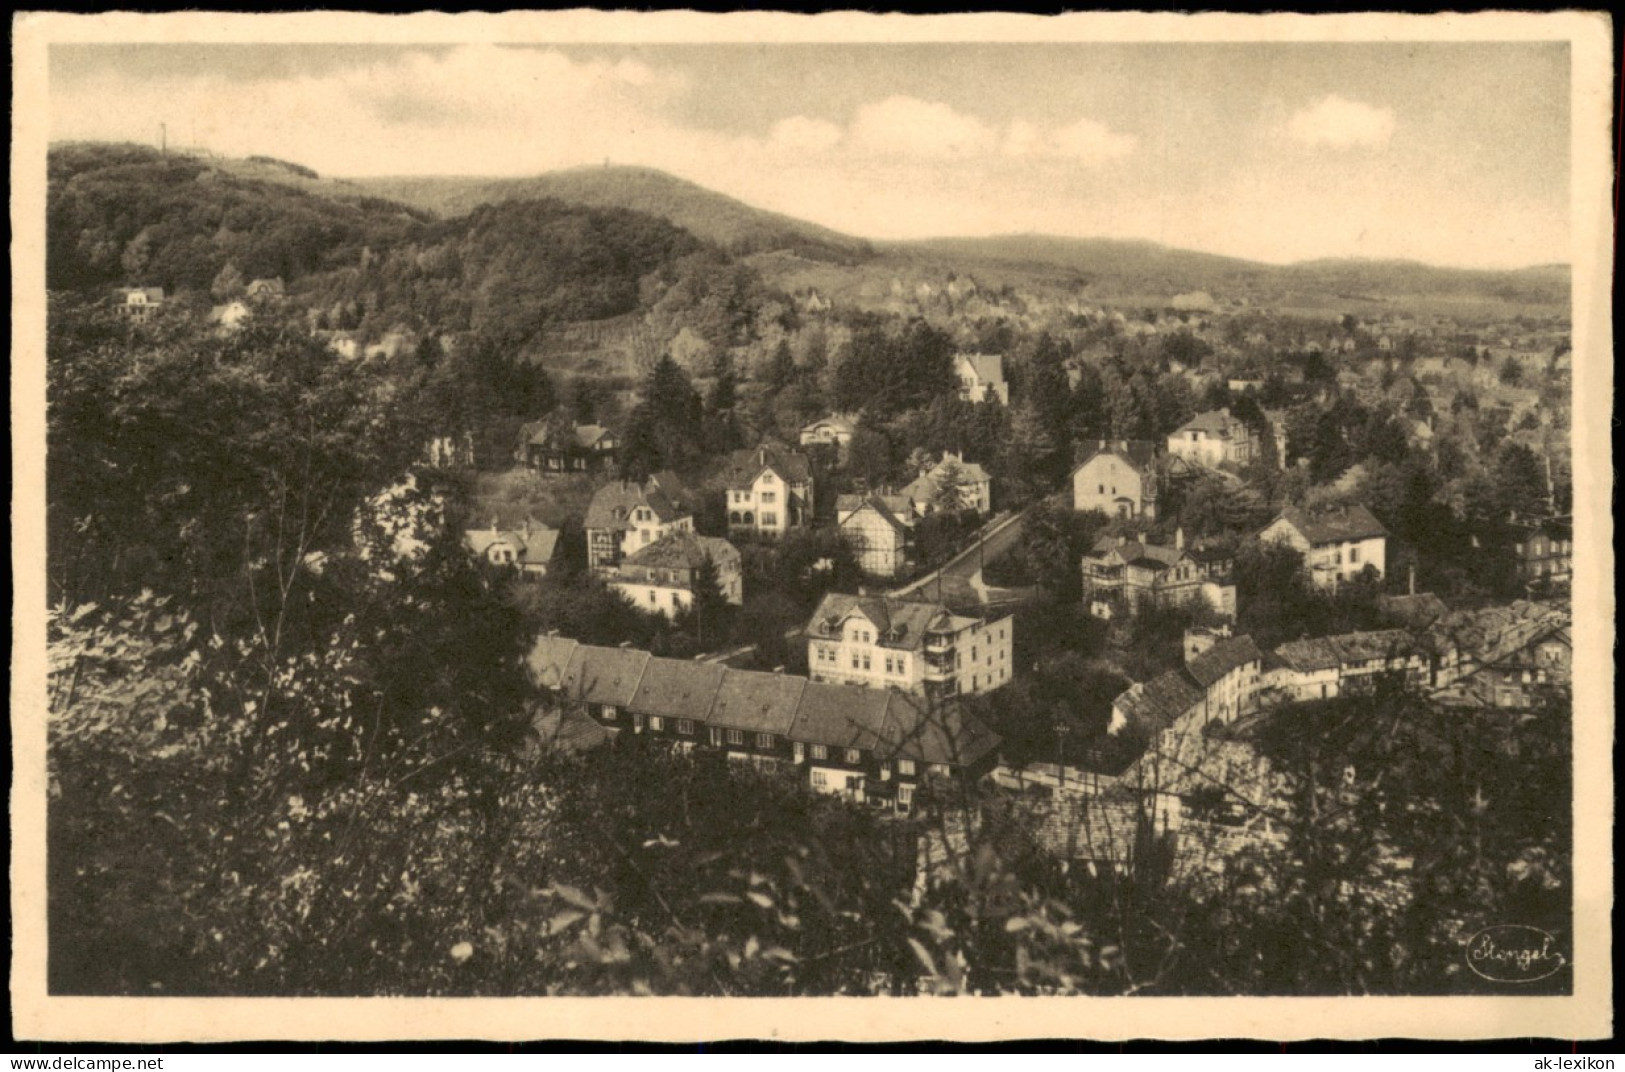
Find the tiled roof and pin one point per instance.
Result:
(744, 466)
(684, 550)
(566, 730)
(1152, 706)
(1153, 555)
(839, 422)
(604, 675)
(1334, 526)
(549, 659)
(893, 509)
(988, 368)
(675, 688)
(926, 484)
(612, 505)
(757, 702)
(1345, 649)
(899, 623)
(1416, 611)
(841, 716)
(1139, 453)
(1215, 422)
(1221, 658)
(887, 722)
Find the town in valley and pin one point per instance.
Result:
(586, 582)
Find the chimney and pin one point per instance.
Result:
(625, 645)
(1411, 584)
(1179, 538)
(778, 669)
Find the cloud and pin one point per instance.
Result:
(1091, 142)
(908, 126)
(801, 134)
(1342, 124)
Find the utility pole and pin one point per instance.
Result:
(163, 139)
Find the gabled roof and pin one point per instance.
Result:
(533, 547)
(1149, 555)
(1416, 611)
(1227, 655)
(1215, 422)
(988, 368)
(153, 294)
(612, 505)
(584, 436)
(757, 702)
(683, 550)
(925, 485)
(677, 688)
(604, 675)
(934, 733)
(1345, 649)
(898, 623)
(549, 659)
(1333, 526)
(841, 716)
(564, 729)
(840, 422)
(1138, 453)
(1152, 706)
(744, 466)
(893, 509)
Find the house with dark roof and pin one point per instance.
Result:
(885, 643)
(1337, 544)
(528, 549)
(834, 431)
(971, 484)
(1118, 477)
(624, 517)
(581, 448)
(769, 490)
(1511, 656)
(1121, 574)
(870, 745)
(879, 528)
(981, 378)
(660, 578)
(1218, 683)
(1545, 550)
(1213, 439)
(1318, 668)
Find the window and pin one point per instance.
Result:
(637, 722)
(854, 660)
(770, 520)
(818, 780)
(736, 736)
(1102, 489)
(938, 770)
(866, 660)
(905, 766)
(854, 755)
(716, 735)
(1354, 554)
(685, 725)
(768, 496)
(656, 723)
(674, 599)
(800, 751)
(905, 797)
(820, 752)
(607, 712)
(651, 597)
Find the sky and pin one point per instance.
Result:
(1448, 153)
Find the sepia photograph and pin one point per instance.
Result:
(630, 511)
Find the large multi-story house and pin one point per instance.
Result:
(878, 527)
(1510, 656)
(981, 378)
(528, 549)
(1118, 478)
(582, 448)
(1121, 574)
(1337, 544)
(871, 746)
(660, 578)
(885, 643)
(624, 517)
(1214, 438)
(138, 304)
(1545, 550)
(973, 485)
(769, 490)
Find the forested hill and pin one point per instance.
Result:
(735, 226)
(123, 214)
(129, 214)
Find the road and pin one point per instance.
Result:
(960, 581)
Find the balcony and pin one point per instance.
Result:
(939, 642)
